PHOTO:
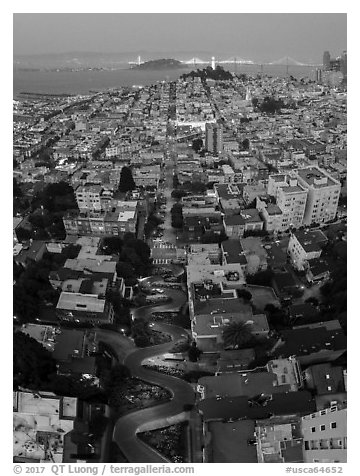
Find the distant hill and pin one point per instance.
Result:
(218, 74)
(160, 64)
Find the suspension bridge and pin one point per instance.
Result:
(284, 61)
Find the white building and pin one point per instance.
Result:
(323, 194)
(325, 436)
(291, 199)
(304, 246)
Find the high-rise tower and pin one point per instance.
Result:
(343, 64)
(326, 60)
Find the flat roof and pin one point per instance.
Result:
(92, 265)
(233, 251)
(80, 302)
(242, 383)
(325, 378)
(293, 189)
(309, 339)
(214, 272)
(316, 177)
(310, 240)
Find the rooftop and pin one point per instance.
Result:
(279, 440)
(237, 408)
(245, 383)
(226, 274)
(325, 378)
(80, 302)
(316, 177)
(310, 240)
(233, 251)
(41, 420)
(293, 189)
(91, 265)
(312, 338)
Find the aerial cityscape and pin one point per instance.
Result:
(179, 251)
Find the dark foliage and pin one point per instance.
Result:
(141, 333)
(194, 375)
(33, 365)
(261, 278)
(271, 105)
(218, 74)
(236, 335)
(126, 180)
(197, 144)
(55, 197)
(177, 220)
(244, 294)
(193, 352)
(245, 144)
(111, 245)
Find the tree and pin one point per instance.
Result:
(126, 180)
(246, 144)
(17, 192)
(244, 294)
(121, 308)
(197, 144)
(55, 197)
(111, 245)
(33, 365)
(75, 386)
(177, 216)
(175, 181)
(125, 270)
(141, 332)
(195, 375)
(115, 378)
(193, 352)
(276, 316)
(271, 105)
(261, 278)
(236, 335)
(177, 194)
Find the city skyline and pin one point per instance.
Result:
(259, 37)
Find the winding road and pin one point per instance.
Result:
(161, 415)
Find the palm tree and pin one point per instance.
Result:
(236, 335)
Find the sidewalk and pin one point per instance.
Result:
(195, 426)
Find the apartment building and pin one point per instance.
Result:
(291, 199)
(271, 214)
(88, 197)
(276, 181)
(323, 192)
(115, 222)
(305, 246)
(147, 176)
(325, 436)
(79, 307)
(42, 421)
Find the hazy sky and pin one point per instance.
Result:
(265, 36)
